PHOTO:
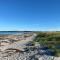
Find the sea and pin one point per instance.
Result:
(13, 32)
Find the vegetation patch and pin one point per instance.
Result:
(49, 39)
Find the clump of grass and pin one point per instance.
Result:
(50, 39)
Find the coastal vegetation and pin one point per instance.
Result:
(50, 40)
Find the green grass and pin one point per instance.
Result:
(50, 39)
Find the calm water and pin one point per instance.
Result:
(11, 32)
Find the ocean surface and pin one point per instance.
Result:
(12, 32)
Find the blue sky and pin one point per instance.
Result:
(42, 15)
